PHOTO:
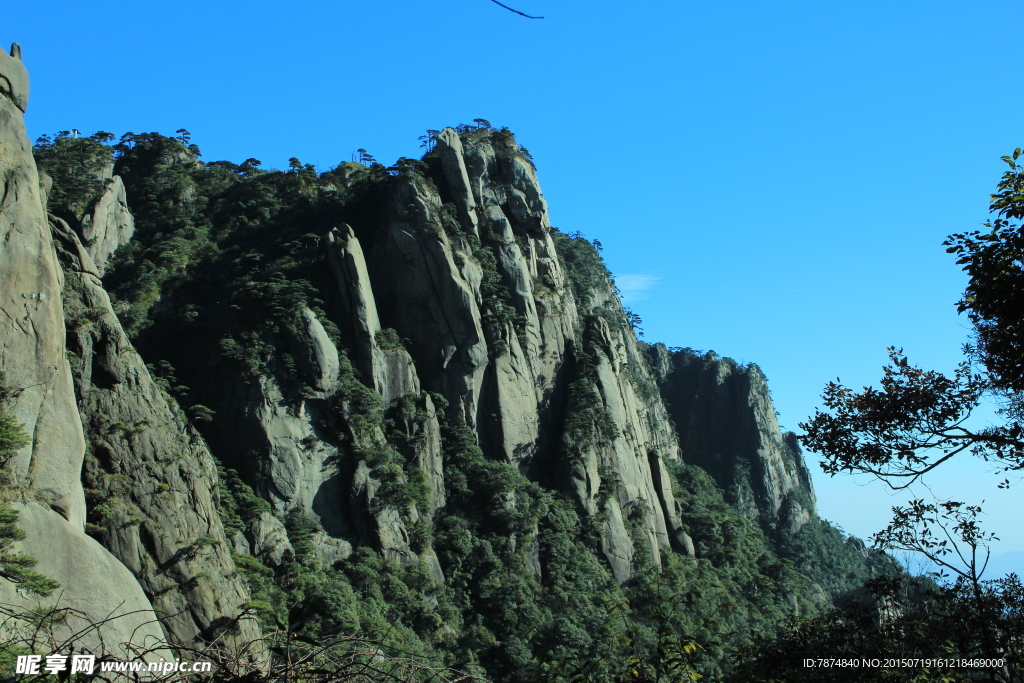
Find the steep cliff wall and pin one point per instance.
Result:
(726, 423)
(44, 481)
(151, 481)
(450, 294)
(488, 307)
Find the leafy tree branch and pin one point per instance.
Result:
(908, 427)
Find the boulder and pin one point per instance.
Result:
(268, 539)
(106, 609)
(108, 224)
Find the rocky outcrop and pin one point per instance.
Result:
(104, 609)
(45, 475)
(292, 458)
(151, 480)
(384, 526)
(358, 310)
(32, 359)
(450, 149)
(323, 361)
(379, 355)
(14, 78)
(726, 423)
(306, 455)
(108, 224)
(268, 539)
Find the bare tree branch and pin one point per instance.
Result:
(515, 10)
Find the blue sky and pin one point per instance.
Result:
(771, 180)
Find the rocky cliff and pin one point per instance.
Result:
(73, 381)
(44, 479)
(454, 288)
(150, 480)
(727, 425)
(387, 401)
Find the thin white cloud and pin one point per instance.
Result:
(634, 287)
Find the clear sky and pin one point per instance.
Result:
(771, 180)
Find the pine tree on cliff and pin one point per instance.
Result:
(15, 566)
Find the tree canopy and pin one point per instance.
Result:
(917, 419)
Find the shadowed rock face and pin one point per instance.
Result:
(148, 468)
(726, 423)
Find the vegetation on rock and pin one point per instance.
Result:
(16, 566)
(416, 520)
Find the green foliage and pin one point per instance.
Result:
(392, 460)
(588, 423)
(17, 567)
(14, 566)
(201, 413)
(583, 264)
(388, 339)
(362, 596)
(12, 438)
(913, 423)
(239, 504)
(495, 517)
(994, 261)
(76, 167)
(917, 420)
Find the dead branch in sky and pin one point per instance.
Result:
(515, 10)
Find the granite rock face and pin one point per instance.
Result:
(31, 338)
(108, 224)
(460, 296)
(151, 478)
(106, 609)
(727, 425)
(45, 476)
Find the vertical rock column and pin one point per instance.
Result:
(46, 473)
(32, 356)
